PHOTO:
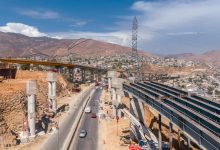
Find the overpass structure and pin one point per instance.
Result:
(47, 63)
(196, 117)
(93, 70)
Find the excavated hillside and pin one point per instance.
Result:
(13, 100)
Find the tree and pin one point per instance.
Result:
(25, 67)
(210, 90)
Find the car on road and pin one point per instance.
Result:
(93, 115)
(82, 133)
(88, 109)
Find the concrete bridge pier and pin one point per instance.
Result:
(99, 76)
(52, 79)
(133, 109)
(114, 96)
(159, 132)
(91, 75)
(188, 143)
(118, 98)
(109, 84)
(179, 132)
(83, 75)
(171, 135)
(141, 111)
(31, 92)
(95, 78)
(31, 67)
(71, 74)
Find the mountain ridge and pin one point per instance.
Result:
(18, 45)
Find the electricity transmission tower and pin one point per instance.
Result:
(134, 48)
(134, 37)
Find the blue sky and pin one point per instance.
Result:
(165, 26)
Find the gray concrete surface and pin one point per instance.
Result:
(90, 142)
(57, 139)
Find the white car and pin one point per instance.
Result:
(82, 133)
(88, 109)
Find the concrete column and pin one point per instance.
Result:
(134, 107)
(119, 113)
(109, 84)
(72, 75)
(171, 135)
(31, 67)
(52, 78)
(141, 105)
(94, 76)
(179, 138)
(118, 101)
(83, 75)
(159, 132)
(188, 143)
(119, 98)
(31, 92)
(54, 102)
(114, 111)
(99, 76)
(113, 94)
(91, 76)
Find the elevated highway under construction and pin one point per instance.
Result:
(95, 73)
(196, 117)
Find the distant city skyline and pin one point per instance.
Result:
(165, 26)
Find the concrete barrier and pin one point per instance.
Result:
(72, 132)
(62, 137)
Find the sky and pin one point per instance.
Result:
(164, 26)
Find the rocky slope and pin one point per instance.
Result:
(17, 45)
(208, 57)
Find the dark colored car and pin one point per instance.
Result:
(93, 115)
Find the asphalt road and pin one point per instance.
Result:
(56, 140)
(90, 125)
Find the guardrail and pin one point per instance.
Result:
(198, 134)
(197, 113)
(200, 101)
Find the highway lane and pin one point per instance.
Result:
(56, 140)
(90, 125)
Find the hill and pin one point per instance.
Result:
(17, 45)
(208, 57)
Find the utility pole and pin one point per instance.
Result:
(134, 48)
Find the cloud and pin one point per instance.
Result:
(118, 37)
(49, 14)
(169, 14)
(77, 23)
(183, 33)
(22, 29)
(178, 25)
(40, 13)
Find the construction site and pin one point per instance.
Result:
(64, 103)
(14, 123)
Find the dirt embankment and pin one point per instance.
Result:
(179, 140)
(155, 69)
(13, 100)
